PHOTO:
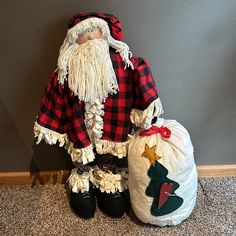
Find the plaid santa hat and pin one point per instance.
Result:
(113, 23)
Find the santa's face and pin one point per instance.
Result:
(93, 33)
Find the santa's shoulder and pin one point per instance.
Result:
(139, 62)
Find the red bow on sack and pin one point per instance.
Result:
(164, 131)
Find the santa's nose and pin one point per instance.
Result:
(91, 37)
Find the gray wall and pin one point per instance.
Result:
(190, 44)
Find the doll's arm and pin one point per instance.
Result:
(60, 120)
(51, 116)
(146, 103)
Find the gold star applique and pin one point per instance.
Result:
(150, 154)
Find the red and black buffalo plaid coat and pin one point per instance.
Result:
(63, 112)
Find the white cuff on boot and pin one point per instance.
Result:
(109, 182)
(79, 182)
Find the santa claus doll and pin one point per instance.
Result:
(93, 98)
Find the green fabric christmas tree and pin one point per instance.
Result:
(162, 190)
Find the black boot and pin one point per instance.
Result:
(83, 204)
(126, 197)
(112, 204)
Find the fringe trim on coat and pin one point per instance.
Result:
(143, 119)
(84, 155)
(117, 149)
(94, 122)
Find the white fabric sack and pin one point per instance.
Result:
(176, 155)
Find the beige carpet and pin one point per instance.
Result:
(44, 210)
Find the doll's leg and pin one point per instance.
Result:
(110, 183)
(82, 198)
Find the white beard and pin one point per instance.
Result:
(89, 70)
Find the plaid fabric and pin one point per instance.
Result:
(64, 113)
(113, 22)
